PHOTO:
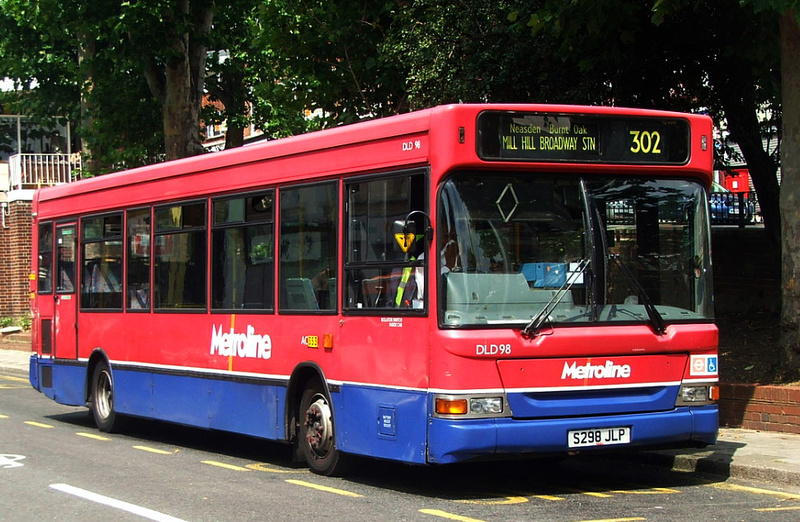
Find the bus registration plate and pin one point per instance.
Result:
(599, 437)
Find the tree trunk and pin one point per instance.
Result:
(86, 51)
(179, 86)
(790, 192)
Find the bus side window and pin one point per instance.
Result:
(138, 284)
(45, 268)
(243, 252)
(101, 254)
(180, 256)
(307, 247)
(378, 273)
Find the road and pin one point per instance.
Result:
(55, 465)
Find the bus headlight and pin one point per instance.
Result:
(486, 405)
(470, 407)
(696, 394)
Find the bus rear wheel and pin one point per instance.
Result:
(316, 438)
(101, 399)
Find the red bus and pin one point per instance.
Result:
(463, 282)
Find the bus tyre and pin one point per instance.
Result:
(101, 399)
(316, 435)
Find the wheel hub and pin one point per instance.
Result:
(319, 431)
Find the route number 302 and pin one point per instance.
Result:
(644, 142)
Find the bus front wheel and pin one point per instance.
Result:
(101, 400)
(316, 434)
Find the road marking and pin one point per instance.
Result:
(323, 488)
(651, 491)
(94, 436)
(260, 466)
(3, 416)
(500, 501)
(548, 497)
(114, 503)
(748, 489)
(38, 424)
(631, 519)
(793, 508)
(154, 450)
(223, 465)
(15, 379)
(11, 461)
(449, 516)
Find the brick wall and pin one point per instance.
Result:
(756, 407)
(15, 255)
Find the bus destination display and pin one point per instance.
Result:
(514, 136)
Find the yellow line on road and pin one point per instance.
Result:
(223, 465)
(449, 516)
(38, 424)
(500, 501)
(260, 466)
(793, 508)
(758, 491)
(651, 491)
(94, 436)
(631, 519)
(3, 416)
(153, 450)
(15, 379)
(323, 488)
(548, 497)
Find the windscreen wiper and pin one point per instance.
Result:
(656, 321)
(533, 327)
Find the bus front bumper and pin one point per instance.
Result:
(453, 441)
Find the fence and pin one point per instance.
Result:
(29, 171)
(734, 208)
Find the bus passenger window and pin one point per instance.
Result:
(138, 285)
(45, 268)
(242, 253)
(101, 254)
(307, 247)
(378, 273)
(179, 256)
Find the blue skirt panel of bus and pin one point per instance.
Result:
(381, 422)
(249, 408)
(63, 383)
(455, 441)
(534, 405)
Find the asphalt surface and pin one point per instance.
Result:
(739, 453)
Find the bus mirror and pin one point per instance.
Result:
(404, 234)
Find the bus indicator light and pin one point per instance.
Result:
(327, 341)
(451, 406)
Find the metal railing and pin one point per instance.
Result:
(30, 171)
(734, 208)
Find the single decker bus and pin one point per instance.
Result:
(464, 282)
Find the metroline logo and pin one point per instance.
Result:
(609, 370)
(249, 345)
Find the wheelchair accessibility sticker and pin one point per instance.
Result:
(703, 366)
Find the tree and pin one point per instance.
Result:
(170, 38)
(323, 66)
(700, 56)
(790, 187)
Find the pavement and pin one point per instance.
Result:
(739, 453)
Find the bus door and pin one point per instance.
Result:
(65, 309)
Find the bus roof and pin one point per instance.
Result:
(348, 136)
